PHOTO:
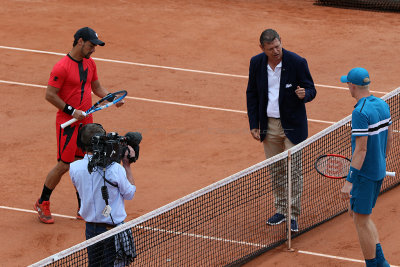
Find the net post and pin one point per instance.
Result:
(289, 201)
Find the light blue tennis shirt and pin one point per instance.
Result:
(371, 117)
(89, 189)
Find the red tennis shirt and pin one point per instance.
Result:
(74, 79)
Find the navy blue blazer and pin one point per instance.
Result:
(294, 73)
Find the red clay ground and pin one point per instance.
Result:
(184, 149)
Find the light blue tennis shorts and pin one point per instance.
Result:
(364, 194)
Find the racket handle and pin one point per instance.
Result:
(68, 123)
(71, 121)
(391, 174)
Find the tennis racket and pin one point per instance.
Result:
(103, 103)
(336, 166)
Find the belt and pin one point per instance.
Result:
(105, 225)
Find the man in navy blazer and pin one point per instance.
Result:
(279, 85)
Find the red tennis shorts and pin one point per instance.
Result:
(67, 149)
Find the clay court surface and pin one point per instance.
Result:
(184, 148)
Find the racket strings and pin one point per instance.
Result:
(333, 166)
(115, 97)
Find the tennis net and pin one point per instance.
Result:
(373, 5)
(224, 224)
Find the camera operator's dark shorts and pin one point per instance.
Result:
(67, 149)
(364, 194)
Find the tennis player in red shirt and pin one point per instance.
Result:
(71, 82)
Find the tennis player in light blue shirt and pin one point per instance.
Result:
(371, 118)
(371, 138)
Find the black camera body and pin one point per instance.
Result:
(111, 148)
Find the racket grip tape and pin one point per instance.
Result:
(71, 121)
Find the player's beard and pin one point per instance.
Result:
(87, 55)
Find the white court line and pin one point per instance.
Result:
(166, 102)
(23, 84)
(202, 236)
(162, 67)
(334, 257)
(126, 62)
(32, 211)
(345, 88)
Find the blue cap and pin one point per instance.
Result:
(357, 76)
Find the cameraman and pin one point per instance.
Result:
(94, 207)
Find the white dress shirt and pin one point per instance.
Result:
(89, 189)
(274, 79)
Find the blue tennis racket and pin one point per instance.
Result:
(103, 103)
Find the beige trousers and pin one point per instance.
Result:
(274, 143)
